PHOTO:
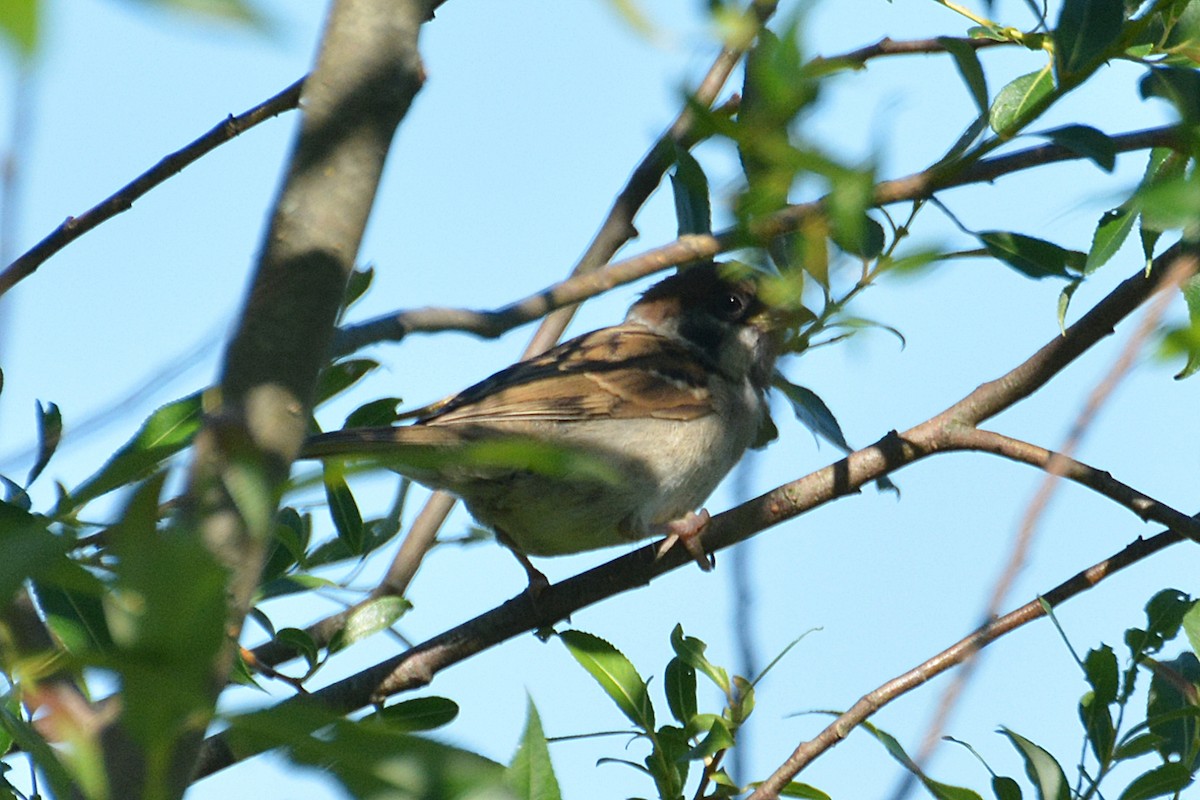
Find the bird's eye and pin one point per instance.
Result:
(732, 306)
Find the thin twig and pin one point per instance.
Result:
(122, 200)
(871, 702)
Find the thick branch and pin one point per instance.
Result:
(122, 200)
(493, 323)
(366, 75)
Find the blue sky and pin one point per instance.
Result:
(532, 117)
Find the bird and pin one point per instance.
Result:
(614, 436)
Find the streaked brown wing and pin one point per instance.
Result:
(618, 372)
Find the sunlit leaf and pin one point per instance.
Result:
(531, 774)
(370, 618)
(1014, 102)
(615, 674)
(1111, 232)
(690, 651)
(1041, 767)
(166, 432)
(338, 377)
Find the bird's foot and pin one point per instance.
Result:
(686, 530)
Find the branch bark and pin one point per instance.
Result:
(367, 73)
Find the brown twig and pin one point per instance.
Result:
(871, 702)
(493, 323)
(122, 200)
(417, 666)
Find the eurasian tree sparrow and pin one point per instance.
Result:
(614, 436)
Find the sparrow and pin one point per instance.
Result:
(614, 436)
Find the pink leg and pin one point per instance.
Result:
(686, 530)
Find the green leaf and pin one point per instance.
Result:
(967, 61)
(1162, 780)
(615, 674)
(1045, 773)
(1086, 141)
(370, 618)
(166, 432)
(1005, 788)
(375, 414)
(1098, 723)
(1031, 256)
(689, 185)
(531, 774)
(803, 790)
(337, 378)
(812, 413)
(368, 760)
(942, 791)
(347, 519)
(718, 738)
(75, 616)
(1171, 203)
(1111, 232)
(1064, 300)
(1137, 746)
(19, 25)
(679, 684)
(418, 714)
(360, 281)
(167, 616)
(26, 547)
(1180, 87)
(49, 434)
(1085, 33)
(1191, 621)
(1100, 666)
(1015, 101)
(301, 642)
(1169, 713)
(690, 651)
(1186, 339)
(43, 755)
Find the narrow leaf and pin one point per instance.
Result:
(49, 420)
(679, 684)
(689, 185)
(1111, 232)
(418, 714)
(166, 432)
(812, 412)
(347, 519)
(1178, 86)
(1162, 780)
(967, 61)
(1031, 256)
(615, 674)
(531, 775)
(1045, 773)
(376, 615)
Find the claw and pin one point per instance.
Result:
(686, 530)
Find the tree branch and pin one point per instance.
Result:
(871, 702)
(122, 200)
